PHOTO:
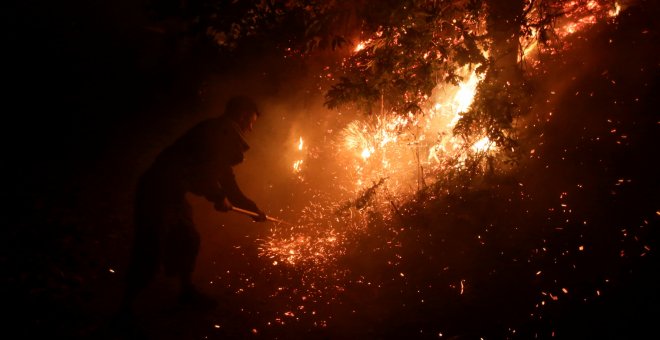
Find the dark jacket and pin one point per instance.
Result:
(200, 162)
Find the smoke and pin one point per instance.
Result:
(290, 96)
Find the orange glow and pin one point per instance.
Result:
(297, 164)
(361, 45)
(615, 12)
(577, 17)
(482, 145)
(388, 157)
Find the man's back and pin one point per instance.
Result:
(198, 157)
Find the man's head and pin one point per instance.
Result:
(242, 110)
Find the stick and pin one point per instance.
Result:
(254, 214)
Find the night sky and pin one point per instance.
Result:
(563, 247)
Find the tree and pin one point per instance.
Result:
(406, 48)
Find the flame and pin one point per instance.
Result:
(615, 12)
(531, 44)
(577, 15)
(482, 145)
(297, 164)
(387, 158)
(465, 94)
(382, 159)
(409, 149)
(365, 153)
(361, 45)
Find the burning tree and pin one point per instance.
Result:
(396, 56)
(414, 46)
(403, 50)
(441, 83)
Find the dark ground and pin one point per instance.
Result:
(91, 101)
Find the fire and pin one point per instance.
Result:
(576, 16)
(365, 153)
(387, 158)
(482, 145)
(529, 46)
(361, 45)
(465, 95)
(409, 150)
(297, 164)
(615, 12)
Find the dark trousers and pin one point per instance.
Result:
(165, 237)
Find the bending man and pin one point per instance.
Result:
(199, 162)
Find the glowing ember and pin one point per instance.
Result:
(483, 145)
(615, 12)
(361, 45)
(297, 165)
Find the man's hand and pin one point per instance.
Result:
(261, 217)
(223, 205)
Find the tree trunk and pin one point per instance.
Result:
(504, 20)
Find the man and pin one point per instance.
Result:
(199, 162)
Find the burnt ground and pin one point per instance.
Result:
(564, 247)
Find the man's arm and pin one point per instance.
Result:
(228, 185)
(205, 184)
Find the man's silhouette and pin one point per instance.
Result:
(199, 162)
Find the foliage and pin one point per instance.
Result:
(406, 48)
(413, 49)
(495, 106)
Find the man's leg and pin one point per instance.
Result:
(142, 269)
(181, 250)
